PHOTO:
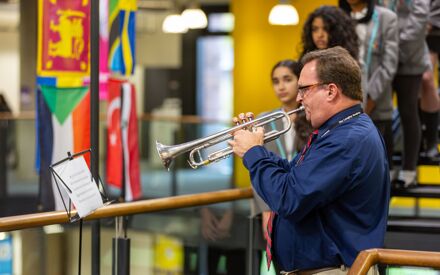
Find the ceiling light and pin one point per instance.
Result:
(283, 14)
(195, 18)
(174, 23)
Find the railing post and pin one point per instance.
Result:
(3, 155)
(121, 248)
(174, 170)
(94, 124)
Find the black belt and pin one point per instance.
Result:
(311, 271)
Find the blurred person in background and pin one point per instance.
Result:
(329, 26)
(8, 127)
(8, 151)
(378, 34)
(221, 229)
(412, 17)
(429, 97)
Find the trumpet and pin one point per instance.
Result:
(168, 153)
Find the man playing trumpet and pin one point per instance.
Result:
(331, 201)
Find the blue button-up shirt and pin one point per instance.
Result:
(332, 204)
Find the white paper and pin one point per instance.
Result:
(84, 191)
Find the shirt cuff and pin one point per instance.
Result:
(253, 155)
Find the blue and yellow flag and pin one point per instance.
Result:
(122, 36)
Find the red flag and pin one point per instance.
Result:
(114, 138)
(122, 139)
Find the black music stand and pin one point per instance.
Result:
(59, 181)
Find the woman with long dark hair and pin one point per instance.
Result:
(329, 26)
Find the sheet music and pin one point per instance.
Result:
(83, 191)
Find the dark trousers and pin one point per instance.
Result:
(226, 261)
(407, 88)
(386, 130)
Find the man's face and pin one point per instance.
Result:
(312, 94)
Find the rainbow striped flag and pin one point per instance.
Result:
(63, 125)
(122, 36)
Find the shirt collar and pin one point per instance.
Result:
(341, 115)
(360, 14)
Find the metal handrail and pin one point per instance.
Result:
(128, 208)
(370, 257)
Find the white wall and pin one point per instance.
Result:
(9, 68)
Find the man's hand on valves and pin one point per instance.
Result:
(245, 139)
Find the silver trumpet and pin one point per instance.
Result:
(169, 153)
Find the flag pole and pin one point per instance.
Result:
(94, 124)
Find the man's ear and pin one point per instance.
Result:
(332, 91)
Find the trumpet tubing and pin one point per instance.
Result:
(168, 153)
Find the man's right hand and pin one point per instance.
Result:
(243, 139)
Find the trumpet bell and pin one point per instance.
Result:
(164, 154)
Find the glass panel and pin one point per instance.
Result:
(169, 242)
(410, 270)
(181, 179)
(21, 178)
(19, 182)
(221, 22)
(215, 62)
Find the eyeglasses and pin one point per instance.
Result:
(304, 89)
